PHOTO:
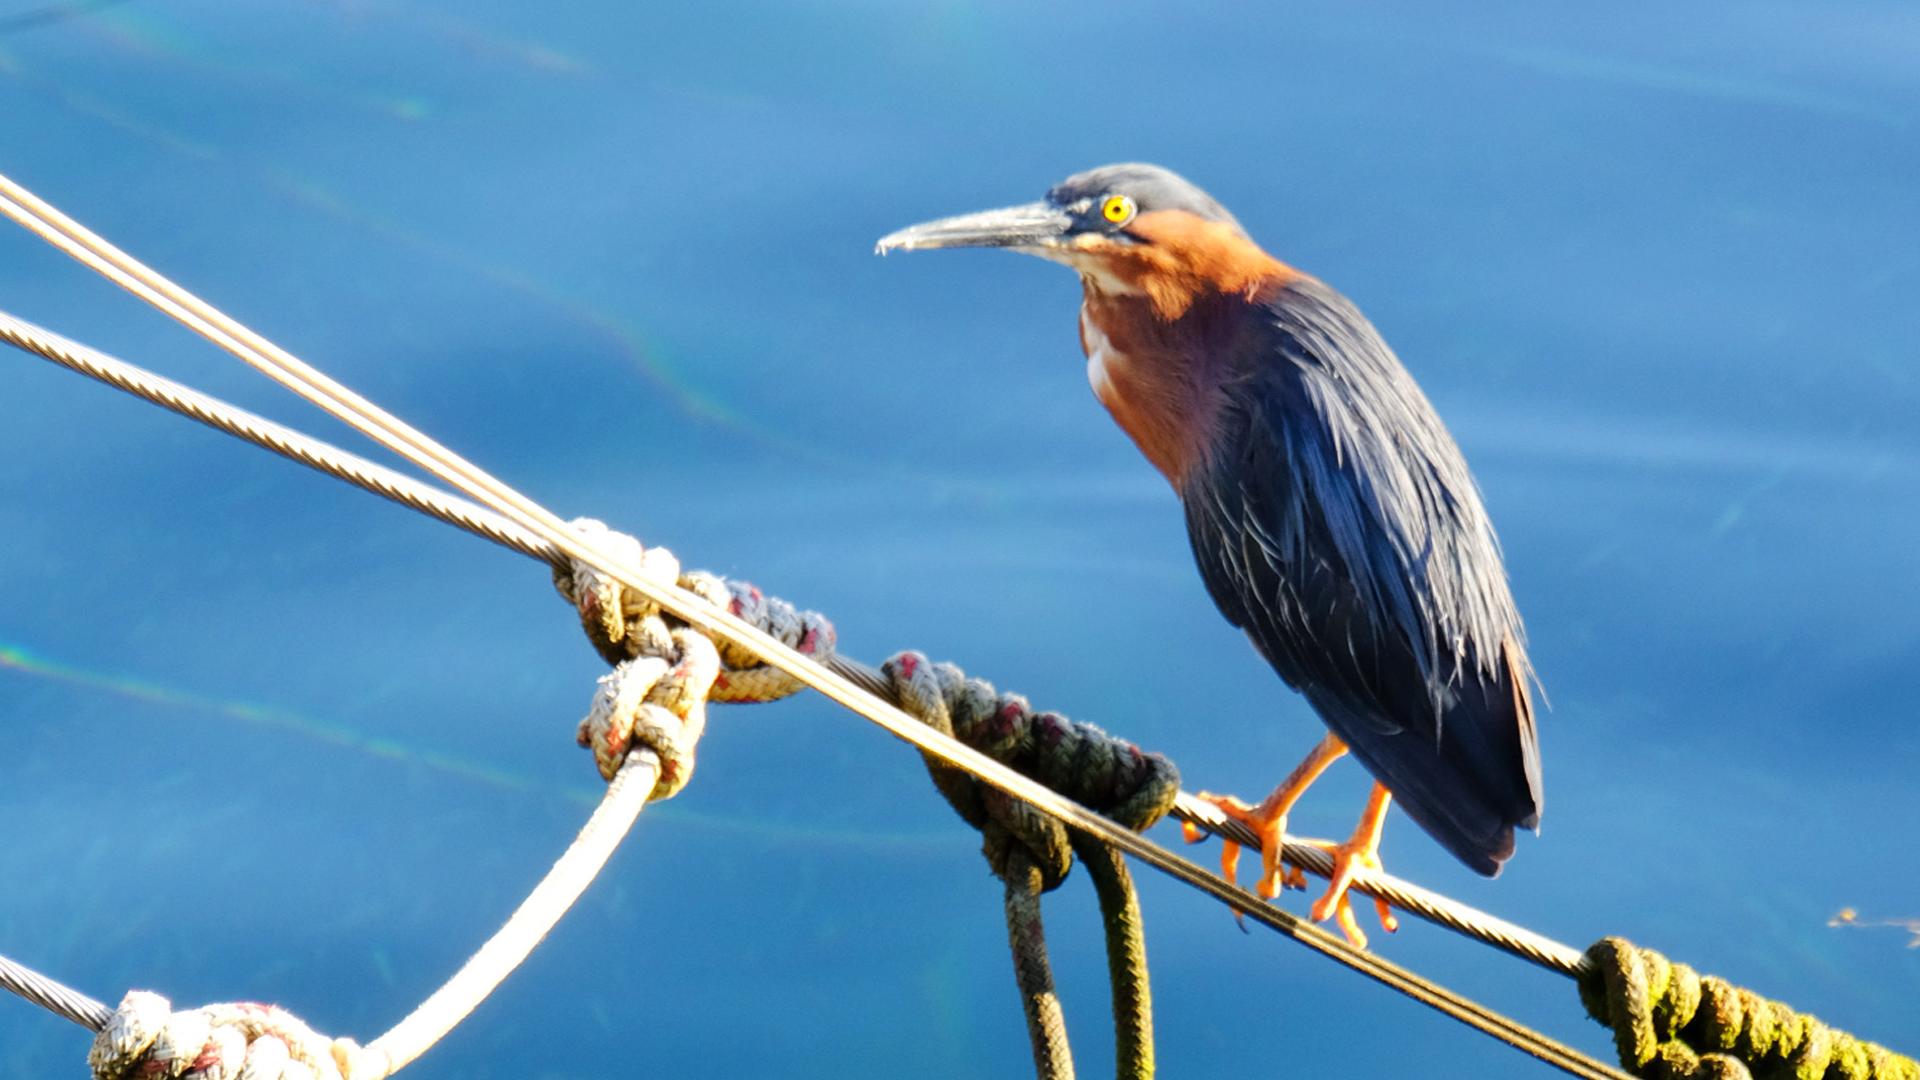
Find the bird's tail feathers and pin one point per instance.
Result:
(1469, 788)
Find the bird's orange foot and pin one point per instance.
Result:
(1360, 852)
(1269, 826)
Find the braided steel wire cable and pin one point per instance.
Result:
(52, 995)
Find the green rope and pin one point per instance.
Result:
(1126, 957)
(1046, 1024)
(1668, 1021)
(1033, 852)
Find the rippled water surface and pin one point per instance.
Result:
(263, 737)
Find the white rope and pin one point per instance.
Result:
(146, 1036)
(646, 718)
(626, 796)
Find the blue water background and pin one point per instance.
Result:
(263, 737)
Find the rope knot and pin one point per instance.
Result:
(1078, 760)
(1669, 1021)
(619, 622)
(622, 624)
(655, 702)
(656, 695)
(746, 678)
(146, 1039)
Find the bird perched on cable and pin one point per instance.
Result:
(1332, 516)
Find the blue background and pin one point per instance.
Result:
(263, 737)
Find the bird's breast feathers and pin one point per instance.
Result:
(1140, 374)
(1166, 379)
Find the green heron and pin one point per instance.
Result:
(1332, 516)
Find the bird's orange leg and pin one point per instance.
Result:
(1269, 821)
(1361, 850)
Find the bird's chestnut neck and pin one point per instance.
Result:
(1177, 257)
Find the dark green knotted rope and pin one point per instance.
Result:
(1668, 1021)
(1033, 853)
(1030, 851)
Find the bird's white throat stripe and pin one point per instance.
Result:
(1099, 354)
(1088, 264)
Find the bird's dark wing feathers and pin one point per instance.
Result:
(1335, 521)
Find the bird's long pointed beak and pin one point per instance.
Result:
(1032, 225)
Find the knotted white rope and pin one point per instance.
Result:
(146, 1038)
(622, 623)
(642, 726)
(656, 695)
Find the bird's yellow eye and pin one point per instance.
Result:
(1118, 209)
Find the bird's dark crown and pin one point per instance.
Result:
(1149, 186)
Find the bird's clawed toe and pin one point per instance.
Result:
(1359, 852)
(1270, 826)
(1335, 902)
